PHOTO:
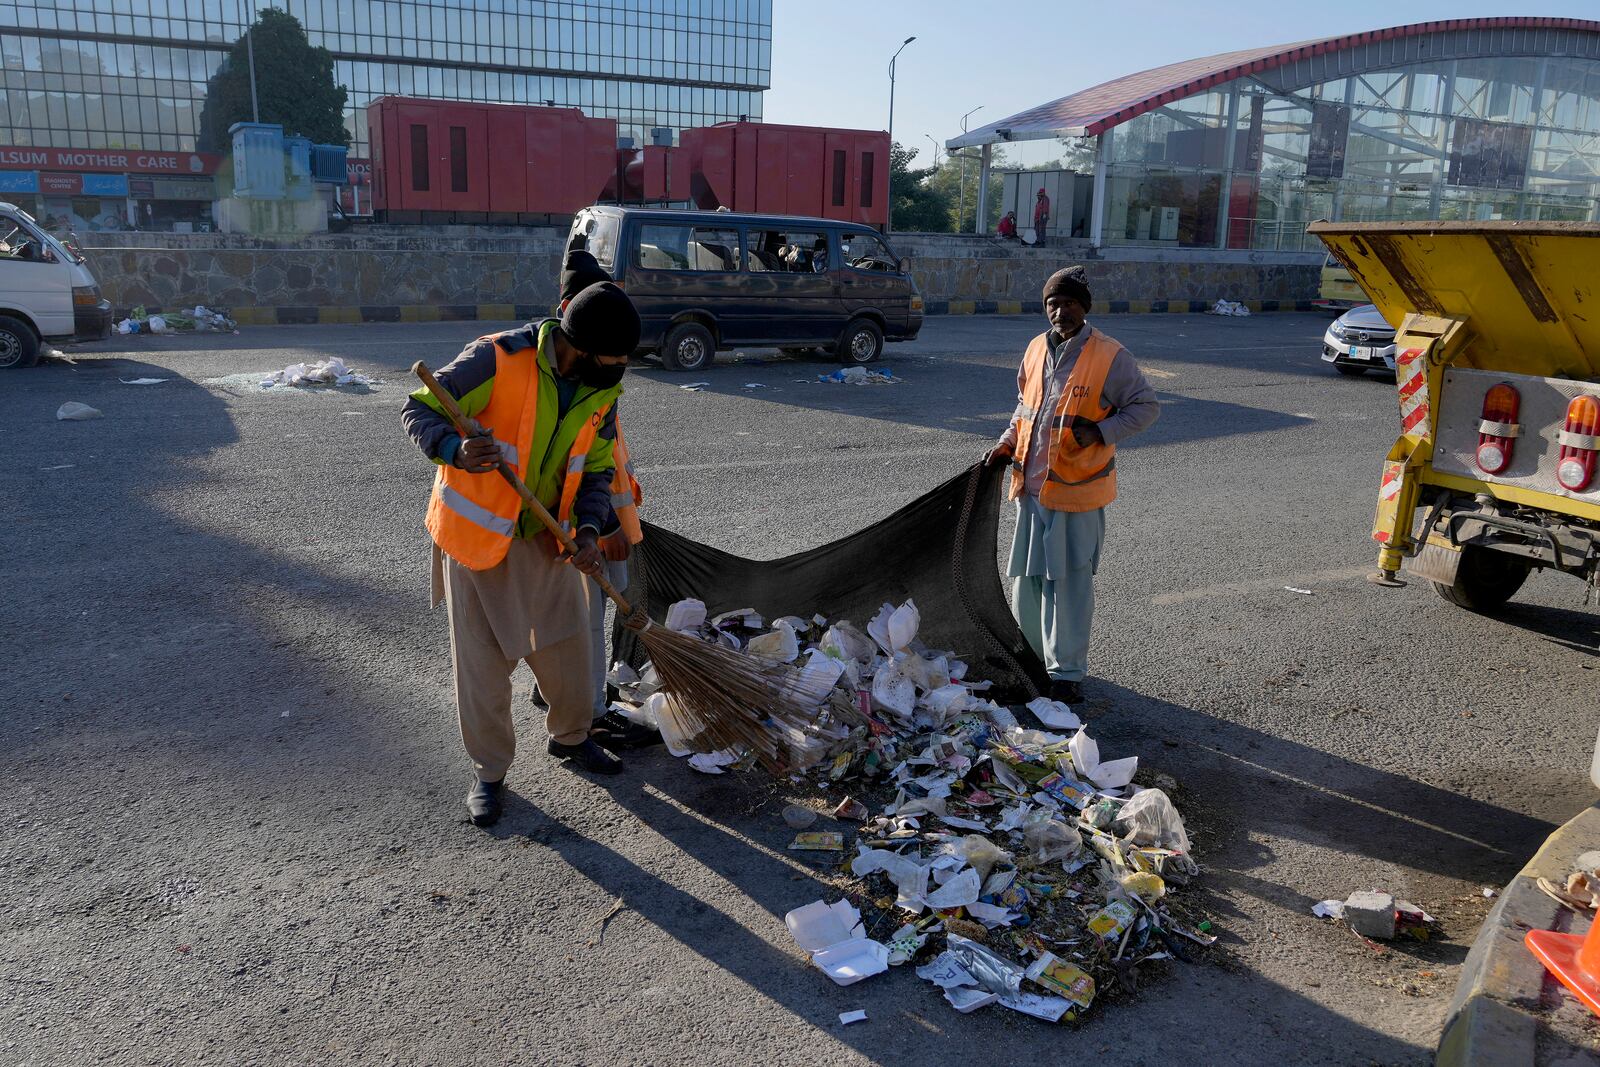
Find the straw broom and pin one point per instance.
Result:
(720, 698)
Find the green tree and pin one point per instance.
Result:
(948, 180)
(918, 206)
(294, 86)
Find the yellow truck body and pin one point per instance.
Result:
(1480, 305)
(1337, 289)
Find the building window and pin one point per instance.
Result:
(866, 179)
(838, 178)
(419, 157)
(458, 159)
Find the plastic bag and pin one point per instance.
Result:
(73, 411)
(981, 854)
(1049, 839)
(894, 690)
(1149, 818)
(778, 646)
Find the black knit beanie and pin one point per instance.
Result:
(1071, 282)
(580, 271)
(602, 321)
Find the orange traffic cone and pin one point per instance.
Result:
(1573, 959)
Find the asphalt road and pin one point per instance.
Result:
(233, 812)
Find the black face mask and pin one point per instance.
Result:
(596, 375)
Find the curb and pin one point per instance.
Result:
(348, 314)
(1112, 307)
(1493, 1018)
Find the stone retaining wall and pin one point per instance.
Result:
(392, 273)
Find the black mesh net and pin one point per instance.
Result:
(938, 550)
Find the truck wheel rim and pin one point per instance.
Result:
(691, 351)
(861, 345)
(10, 350)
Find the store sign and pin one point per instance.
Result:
(358, 171)
(20, 181)
(61, 184)
(119, 160)
(1489, 155)
(105, 185)
(183, 189)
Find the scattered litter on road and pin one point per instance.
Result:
(72, 411)
(694, 387)
(1489, 894)
(848, 1017)
(1303, 592)
(1374, 914)
(1229, 307)
(817, 841)
(59, 467)
(799, 818)
(713, 762)
(859, 376)
(201, 319)
(754, 385)
(1014, 866)
(143, 381)
(328, 372)
(617, 908)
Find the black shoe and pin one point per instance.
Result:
(484, 802)
(616, 732)
(588, 755)
(538, 700)
(1068, 693)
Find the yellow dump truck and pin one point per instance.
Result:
(1498, 374)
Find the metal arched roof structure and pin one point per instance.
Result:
(1287, 67)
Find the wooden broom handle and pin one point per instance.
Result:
(453, 412)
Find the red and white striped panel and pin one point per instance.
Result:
(1392, 479)
(1412, 372)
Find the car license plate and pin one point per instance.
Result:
(1360, 352)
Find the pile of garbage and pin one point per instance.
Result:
(201, 320)
(1229, 307)
(328, 372)
(859, 376)
(1010, 865)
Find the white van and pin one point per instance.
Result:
(46, 291)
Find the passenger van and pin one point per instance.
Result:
(705, 281)
(47, 292)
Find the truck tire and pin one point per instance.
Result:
(19, 345)
(861, 342)
(689, 347)
(1485, 580)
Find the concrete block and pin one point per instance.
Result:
(1370, 914)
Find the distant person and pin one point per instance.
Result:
(1078, 394)
(1041, 218)
(1008, 226)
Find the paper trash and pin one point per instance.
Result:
(1063, 979)
(894, 690)
(817, 841)
(895, 628)
(1040, 1006)
(818, 924)
(967, 999)
(778, 646)
(143, 381)
(713, 762)
(1115, 774)
(686, 616)
(849, 962)
(848, 1017)
(72, 411)
(957, 892)
(1054, 714)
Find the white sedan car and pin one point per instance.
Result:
(1358, 341)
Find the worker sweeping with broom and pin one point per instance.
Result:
(538, 404)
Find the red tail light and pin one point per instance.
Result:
(1579, 443)
(1498, 432)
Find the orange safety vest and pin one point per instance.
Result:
(626, 496)
(1079, 479)
(473, 517)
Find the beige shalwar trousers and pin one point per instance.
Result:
(530, 608)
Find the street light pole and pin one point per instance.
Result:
(250, 49)
(889, 225)
(935, 144)
(961, 212)
(892, 60)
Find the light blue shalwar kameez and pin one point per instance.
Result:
(1055, 554)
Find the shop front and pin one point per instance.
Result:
(96, 190)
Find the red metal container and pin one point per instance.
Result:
(795, 170)
(477, 160)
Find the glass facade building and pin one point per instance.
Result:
(110, 74)
(1476, 119)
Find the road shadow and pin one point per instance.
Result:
(1243, 777)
